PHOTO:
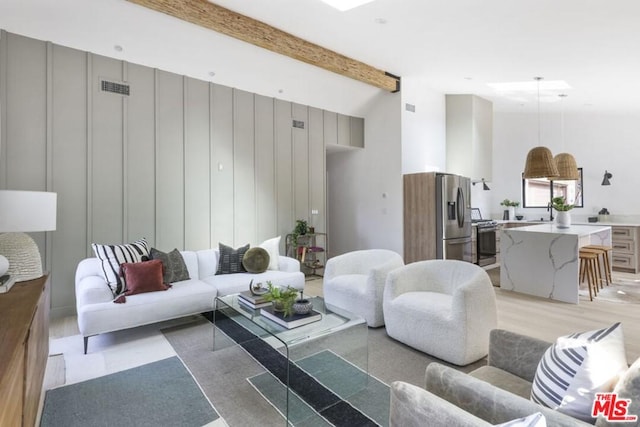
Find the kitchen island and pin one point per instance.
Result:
(542, 260)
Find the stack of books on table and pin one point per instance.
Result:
(293, 320)
(253, 301)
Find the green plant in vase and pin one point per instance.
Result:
(511, 206)
(301, 228)
(282, 298)
(562, 207)
(560, 204)
(509, 203)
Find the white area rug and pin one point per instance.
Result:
(622, 290)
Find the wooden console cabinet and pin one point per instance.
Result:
(24, 334)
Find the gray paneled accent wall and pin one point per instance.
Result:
(183, 162)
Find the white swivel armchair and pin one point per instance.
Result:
(445, 308)
(355, 282)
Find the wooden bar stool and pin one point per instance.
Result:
(588, 268)
(600, 267)
(607, 252)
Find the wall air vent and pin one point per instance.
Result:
(114, 87)
(298, 124)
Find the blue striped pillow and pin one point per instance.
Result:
(577, 367)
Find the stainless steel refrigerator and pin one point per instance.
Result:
(453, 217)
(437, 217)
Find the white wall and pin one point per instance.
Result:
(597, 141)
(364, 188)
(423, 131)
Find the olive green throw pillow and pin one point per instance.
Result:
(256, 260)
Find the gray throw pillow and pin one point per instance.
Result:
(231, 259)
(256, 260)
(175, 269)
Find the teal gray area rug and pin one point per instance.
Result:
(365, 393)
(161, 393)
(224, 375)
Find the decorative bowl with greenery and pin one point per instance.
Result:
(560, 204)
(282, 298)
(509, 203)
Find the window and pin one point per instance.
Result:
(537, 192)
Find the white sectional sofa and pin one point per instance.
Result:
(97, 313)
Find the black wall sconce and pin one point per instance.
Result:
(485, 187)
(607, 177)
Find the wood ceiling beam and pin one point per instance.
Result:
(230, 23)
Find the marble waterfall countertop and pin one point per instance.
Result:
(542, 259)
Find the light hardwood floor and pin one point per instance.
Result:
(547, 320)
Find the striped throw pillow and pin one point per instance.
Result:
(577, 367)
(111, 256)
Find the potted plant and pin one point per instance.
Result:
(300, 229)
(564, 217)
(511, 206)
(282, 298)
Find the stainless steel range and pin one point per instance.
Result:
(486, 238)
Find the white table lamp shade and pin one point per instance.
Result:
(24, 211)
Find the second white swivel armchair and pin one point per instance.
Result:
(355, 282)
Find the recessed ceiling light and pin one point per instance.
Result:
(530, 86)
(118, 48)
(343, 5)
(380, 21)
(468, 78)
(212, 73)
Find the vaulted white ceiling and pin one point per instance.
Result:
(458, 46)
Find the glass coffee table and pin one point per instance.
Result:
(308, 366)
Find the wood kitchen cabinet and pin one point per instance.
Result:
(626, 256)
(24, 333)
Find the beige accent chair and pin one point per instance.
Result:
(355, 282)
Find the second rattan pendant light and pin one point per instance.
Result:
(566, 163)
(540, 162)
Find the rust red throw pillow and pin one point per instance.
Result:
(140, 277)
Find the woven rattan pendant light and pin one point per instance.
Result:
(566, 163)
(540, 163)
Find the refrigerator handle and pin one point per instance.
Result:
(461, 205)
